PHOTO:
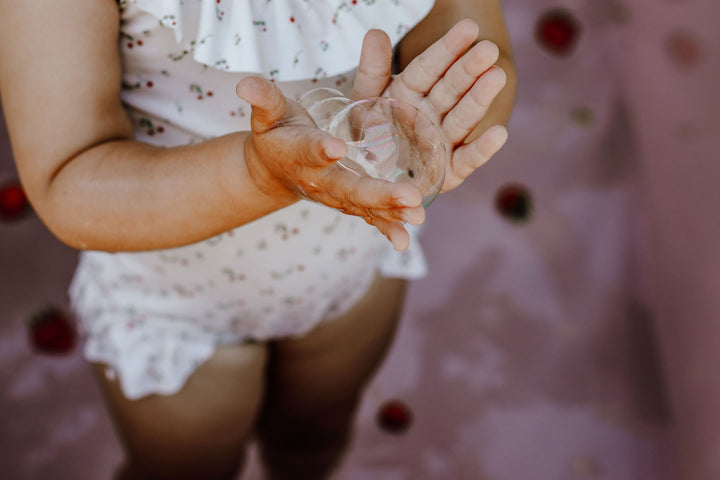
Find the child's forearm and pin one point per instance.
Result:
(126, 195)
(93, 186)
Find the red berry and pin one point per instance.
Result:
(394, 417)
(150, 84)
(292, 19)
(209, 94)
(683, 49)
(52, 332)
(139, 42)
(13, 202)
(558, 30)
(160, 129)
(130, 45)
(514, 202)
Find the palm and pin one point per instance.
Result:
(287, 157)
(453, 89)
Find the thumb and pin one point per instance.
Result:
(267, 101)
(375, 66)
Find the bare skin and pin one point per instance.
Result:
(97, 188)
(301, 394)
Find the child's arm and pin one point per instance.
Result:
(97, 188)
(468, 90)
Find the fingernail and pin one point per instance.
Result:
(399, 245)
(406, 202)
(408, 217)
(333, 150)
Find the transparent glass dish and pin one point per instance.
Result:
(386, 138)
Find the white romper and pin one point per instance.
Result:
(154, 317)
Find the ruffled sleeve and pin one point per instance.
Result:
(286, 40)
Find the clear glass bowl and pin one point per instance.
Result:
(386, 138)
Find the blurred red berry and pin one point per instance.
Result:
(52, 332)
(557, 31)
(13, 202)
(394, 417)
(683, 49)
(514, 203)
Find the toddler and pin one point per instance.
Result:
(162, 138)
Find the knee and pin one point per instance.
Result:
(324, 426)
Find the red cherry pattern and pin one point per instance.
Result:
(558, 30)
(394, 417)
(51, 332)
(13, 202)
(514, 202)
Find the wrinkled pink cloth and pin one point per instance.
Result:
(570, 305)
(672, 73)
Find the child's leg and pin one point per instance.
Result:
(315, 383)
(199, 432)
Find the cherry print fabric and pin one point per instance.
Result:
(153, 317)
(286, 40)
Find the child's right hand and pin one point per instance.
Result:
(287, 156)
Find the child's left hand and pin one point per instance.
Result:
(454, 86)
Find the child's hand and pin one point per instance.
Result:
(288, 157)
(452, 88)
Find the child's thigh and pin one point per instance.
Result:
(200, 431)
(327, 368)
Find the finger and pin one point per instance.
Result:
(413, 216)
(462, 75)
(268, 103)
(466, 115)
(366, 192)
(375, 66)
(316, 148)
(467, 158)
(394, 231)
(425, 70)
(373, 216)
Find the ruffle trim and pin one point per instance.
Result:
(147, 360)
(252, 36)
